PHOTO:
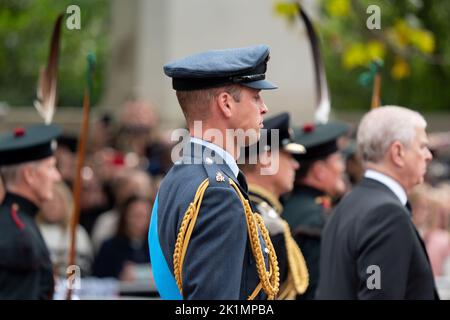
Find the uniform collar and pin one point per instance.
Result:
(24, 204)
(225, 155)
(303, 189)
(393, 185)
(259, 193)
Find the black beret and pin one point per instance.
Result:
(320, 140)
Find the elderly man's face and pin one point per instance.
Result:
(45, 175)
(416, 157)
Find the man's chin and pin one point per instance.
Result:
(47, 197)
(252, 139)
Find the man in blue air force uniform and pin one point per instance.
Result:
(205, 241)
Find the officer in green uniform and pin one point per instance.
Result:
(28, 172)
(319, 178)
(271, 175)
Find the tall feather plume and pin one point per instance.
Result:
(322, 93)
(47, 89)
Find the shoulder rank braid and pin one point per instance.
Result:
(269, 280)
(298, 277)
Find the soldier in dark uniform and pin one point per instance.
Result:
(319, 178)
(265, 189)
(28, 171)
(205, 241)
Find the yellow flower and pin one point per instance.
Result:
(419, 38)
(401, 32)
(286, 9)
(338, 8)
(423, 40)
(375, 50)
(360, 54)
(355, 55)
(400, 69)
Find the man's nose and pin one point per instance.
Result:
(429, 155)
(57, 176)
(295, 164)
(263, 109)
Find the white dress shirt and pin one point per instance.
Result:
(229, 160)
(393, 185)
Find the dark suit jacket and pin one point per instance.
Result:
(370, 227)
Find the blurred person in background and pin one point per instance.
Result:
(54, 222)
(268, 179)
(66, 157)
(138, 134)
(370, 246)
(319, 179)
(129, 182)
(101, 133)
(2, 190)
(431, 217)
(94, 199)
(125, 256)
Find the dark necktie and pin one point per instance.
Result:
(242, 181)
(408, 207)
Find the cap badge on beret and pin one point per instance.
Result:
(25, 144)
(19, 132)
(308, 127)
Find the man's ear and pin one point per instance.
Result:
(225, 103)
(397, 153)
(317, 169)
(28, 173)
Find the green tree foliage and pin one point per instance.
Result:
(25, 30)
(413, 42)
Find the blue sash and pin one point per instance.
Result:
(164, 279)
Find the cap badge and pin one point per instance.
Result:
(19, 132)
(219, 177)
(308, 127)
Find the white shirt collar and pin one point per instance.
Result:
(393, 185)
(229, 160)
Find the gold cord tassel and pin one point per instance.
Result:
(184, 234)
(269, 280)
(298, 276)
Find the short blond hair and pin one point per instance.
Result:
(195, 103)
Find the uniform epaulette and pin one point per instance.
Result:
(216, 177)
